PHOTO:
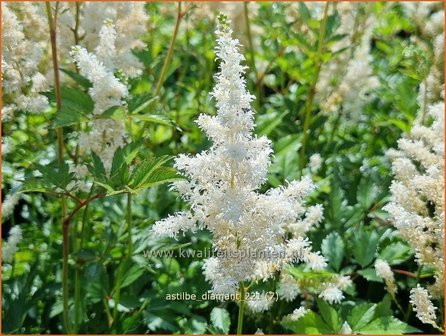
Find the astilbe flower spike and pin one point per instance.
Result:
(417, 206)
(254, 234)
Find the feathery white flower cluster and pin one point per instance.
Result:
(352, 67)
(298, 313)
(260, 302)
(417, 207)
(106, 135)
(249, 229)
(384, 271)
(315, 162)
(9, 247)
(429, 20)
(9, 203)
(423, 306)
(22, 82)
(116, 43)
(288, 287)
(329, 290)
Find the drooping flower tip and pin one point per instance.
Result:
(422, 305)
(298, 313)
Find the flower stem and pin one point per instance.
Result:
(60, 145)
(77, 283)
(166, 64)
(241, 309)
(125, 261)
(251, 53)
(312, 91)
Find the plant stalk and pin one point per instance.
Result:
(126, 259)
(60, 146)
(77, 289)
(241, 309)
(251, 53)
(166, 64)
(312, 92)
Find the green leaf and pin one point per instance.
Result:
(367, 193)
(396, 253)
(133, 274)
(269, 124)
(78, 78)
(361, 315)
(220, 320)
(333, 23)
(55, 174)
(384, 307)
(154, 118)
(310, 323)
(67, 117)
(330, 316)
(141, 107)
(76, 107)
(388, 325)
(336, 207)
(304, 12)
(115, 112)
(333, 249)
(365, 244)
(159, 176)
(97, 168)
(144, 171)
(370, 275)
(119, 169)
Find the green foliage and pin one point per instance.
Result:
(105, 246)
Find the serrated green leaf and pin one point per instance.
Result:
(268, 125)
(55, 174)
(119, 169)
(115, 112)
(143, 171)
(365, 244)
(367, 192)
(304, 12)
(310, 323)
(333, 249)
(336, 207)
(97, 168)
(146, 105)
(361, 315)
(154, 118)
(221, 320)
(330, 316)
(78, 78)
(370, 275)
(333, 23)
(384, 307)
(396, 253)
(66, 117)
(133, 274)
(76, 107)
(160, 175)
(387, 325)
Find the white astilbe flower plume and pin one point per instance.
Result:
(9, 247)
(106, 135)
(118, 42)
(384, 271)
(422, 305)
(259, 302)
(249, 229)
(417, 206)
(22, 82)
